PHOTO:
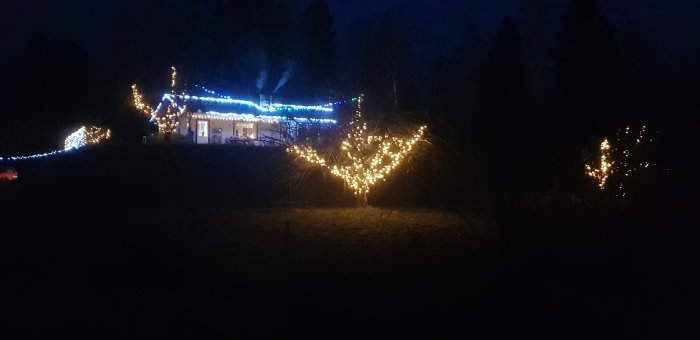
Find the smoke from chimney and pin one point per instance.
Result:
(262, 79)
(285, 78)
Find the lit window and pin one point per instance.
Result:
(245, 130)
(203, 128)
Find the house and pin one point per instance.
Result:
(225, 120)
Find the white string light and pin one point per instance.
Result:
(85, 136)
(169, 121)
(76, 140)
(258, 119)
(606, 167)
(370, 158)
(176, 106)
(324, 107)
(620, 159)
(273, 108)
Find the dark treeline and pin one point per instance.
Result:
(544, 85)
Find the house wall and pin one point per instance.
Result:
(271, 130)
(262, 130)
(226, 129)
(193, 126)
(182, 129)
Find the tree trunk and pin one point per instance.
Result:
(362, 200)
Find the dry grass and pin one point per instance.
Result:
(321, 239)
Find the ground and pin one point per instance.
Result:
(190, 242)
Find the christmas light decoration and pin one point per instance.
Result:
(139, 103)
(167, 115)
(323, 107)
(351, 100)
(287, 107)
(225, 101)
(605, 168)
(369, 158)
(173, 78)
(41, 155)
(272, 108)
(169, 121)
(622, 160)
(212, 92)
(258, 119)
(76, 140)
(86, 136)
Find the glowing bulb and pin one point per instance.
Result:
(371, 158)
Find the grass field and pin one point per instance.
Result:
(164, 241)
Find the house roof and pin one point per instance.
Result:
(227, 107)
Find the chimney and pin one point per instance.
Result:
(265, 100)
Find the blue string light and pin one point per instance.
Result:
(212, 92)
(313, 120)
(321, 107)
(41, 155)
(285, 107)
(351, 100)
(74, 141)
(226, 101)
(272, 108)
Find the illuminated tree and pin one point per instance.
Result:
(87, 136)
(168, 120)
(76, 140)
(604, 168)
(617, 164)
(367, 158)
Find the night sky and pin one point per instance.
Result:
(92, 37)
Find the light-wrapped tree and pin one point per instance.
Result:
(87, 136)
(168, 120)
(623, 161)
(366, 158)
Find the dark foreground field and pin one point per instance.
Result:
(130, 242)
